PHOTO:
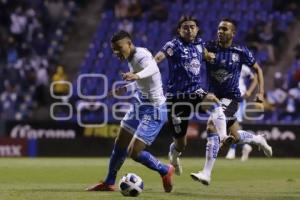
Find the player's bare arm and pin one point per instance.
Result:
(159, 57)
(252, 87)
(260, 79)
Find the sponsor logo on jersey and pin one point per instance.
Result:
(193, 66)
(221, 75)
(235, 57)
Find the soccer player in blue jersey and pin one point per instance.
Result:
(143, 121)
(223, 74)
(186, 91)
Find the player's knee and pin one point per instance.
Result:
(209, 101)
(211, 98)
(234, 135)
(211, 127)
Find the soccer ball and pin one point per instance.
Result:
(131, 185)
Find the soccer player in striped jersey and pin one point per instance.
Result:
(142, 123)
(186, 91)
(223, 75)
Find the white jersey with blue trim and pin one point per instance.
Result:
(149, 88)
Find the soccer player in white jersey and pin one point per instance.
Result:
(143, 121)
(246, 92)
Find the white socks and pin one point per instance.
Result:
(248, 138)
(174, 152)
(218, 117)
(212, 149)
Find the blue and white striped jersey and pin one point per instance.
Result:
(224, 72)
(187, 68)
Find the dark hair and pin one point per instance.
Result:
(232, 21)
(119, 36)
(185, 18)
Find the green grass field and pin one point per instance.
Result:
(66, 178)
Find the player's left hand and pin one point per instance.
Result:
(210, 56)
(129, 76)
(259, 98)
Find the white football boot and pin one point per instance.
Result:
(201, 177)
(175, 161)
(262, 144)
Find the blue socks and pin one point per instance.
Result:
(117, 159)
(233, 146)
(151, 162)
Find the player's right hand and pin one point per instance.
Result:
(211, 56)
(259, 98)
(129, 76)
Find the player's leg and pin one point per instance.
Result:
(175, 150)
(215, 125)
(118, 155)
(178, 123)
(212, 149)
(117, 159)
(128, 126)
(245, 137)
(146, 133)
(232, 149)
(231, 152)
(137, 153)
(211, 104)
(246, 148)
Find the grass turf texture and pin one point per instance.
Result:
(66, 178)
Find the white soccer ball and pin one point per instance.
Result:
(131, 185)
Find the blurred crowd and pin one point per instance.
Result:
(284, 100)
(263, 25)
(32, 33)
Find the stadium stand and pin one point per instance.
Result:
(262, 26)
(33, 33)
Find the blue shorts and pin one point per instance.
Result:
(145, 121)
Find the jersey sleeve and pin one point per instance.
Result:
(169, 48)
(248, 58)
(147, 62)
